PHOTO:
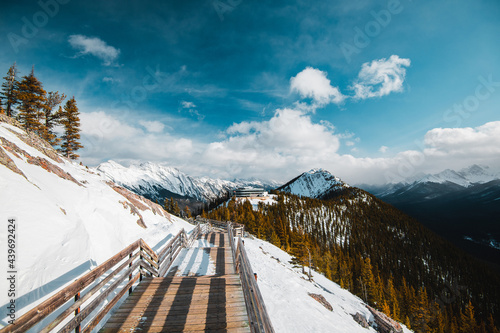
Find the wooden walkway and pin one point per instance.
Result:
(185, 301)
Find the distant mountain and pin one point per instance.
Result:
(462, 206)
(157, 182)
(316, 183)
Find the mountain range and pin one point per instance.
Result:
(157, 182)
(462, 206)
(70, 218)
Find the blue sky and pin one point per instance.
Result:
(233, 88)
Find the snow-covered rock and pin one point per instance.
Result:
(314, 184)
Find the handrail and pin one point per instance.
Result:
(142, 261)
(257, 313)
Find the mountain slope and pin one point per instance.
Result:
(316, 183)
(71, 219)
(462, 206)
(353, 232)
(158, 182)
(68, 218)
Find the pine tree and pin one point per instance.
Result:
(9, 90)
(52, 118)
(187, 211)
(275, 240)
(175, 209)
(467, 321)
(32, 101)
(71, 121)
(2, 111)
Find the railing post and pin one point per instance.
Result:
(130, 275)
(77, 311)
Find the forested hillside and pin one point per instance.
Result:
(381, 255)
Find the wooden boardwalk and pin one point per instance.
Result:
(186, 301)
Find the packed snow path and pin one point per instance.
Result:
(201, 292)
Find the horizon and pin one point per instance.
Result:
(369, 92)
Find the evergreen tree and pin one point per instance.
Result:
(31, 102)
(2, 111)
(52, 118)
(9, 90)
(187, 212)
(71, 121)
(175, 209)
(467, 321)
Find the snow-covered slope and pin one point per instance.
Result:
(285, 292)
(68, 218)
(314, 184)
(158, 181)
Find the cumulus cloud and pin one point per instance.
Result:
(313, 83)
(381, 77)
(94, 46)
(283, 146)
(187, 105)
(105, 137)
(383, 149)
(482, 141)
(152, 126)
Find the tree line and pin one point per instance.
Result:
(380, 254)
(40, 111)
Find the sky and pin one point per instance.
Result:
(372, 91)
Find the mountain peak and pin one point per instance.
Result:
(314, 184)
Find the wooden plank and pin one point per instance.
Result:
(109, 306)
(85, 297)
(36, 314)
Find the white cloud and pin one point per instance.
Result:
(313, 83)
(381, 77)
(383, 149)
(96, 47)
(187, 105)
(482, 141)
(281, 147)
(152, 126)
(106, 137)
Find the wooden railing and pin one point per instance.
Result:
(135, 261)
(257, 313)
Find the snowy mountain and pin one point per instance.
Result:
(462, 206)
(316, 183)
(158, 182)
(70, 219)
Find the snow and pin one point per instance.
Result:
(64, 229)
(148, 177)
(193, 261)
(285, 292)
(270, 199)
(313, 184)
(466, 177)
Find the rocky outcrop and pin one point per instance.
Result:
(39, 161)
(322, 300)
(9, 163)
(384, 323)
(32, 139)
(138, 201)
(358, 317)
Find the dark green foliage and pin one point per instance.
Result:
(71, 121)
(379, 254)
(32, 100)
(9, 90)
(52, 117)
